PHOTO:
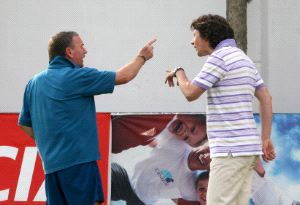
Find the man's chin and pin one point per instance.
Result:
(200, 54)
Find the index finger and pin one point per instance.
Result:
(151, 42)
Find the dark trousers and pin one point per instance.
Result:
(77, 185)
(121, 188)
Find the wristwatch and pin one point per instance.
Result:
(177, 69)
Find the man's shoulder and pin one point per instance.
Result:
(225, 51)
(37, 76)
(92, 71)
(67, 72)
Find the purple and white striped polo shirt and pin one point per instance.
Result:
(230, 78)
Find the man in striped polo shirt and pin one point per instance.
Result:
(231, 81)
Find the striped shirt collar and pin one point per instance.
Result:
(227, 42)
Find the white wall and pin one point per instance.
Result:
(115, 30)
(283, 55)
(274, 45)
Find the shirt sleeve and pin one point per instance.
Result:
(96, 82)
(24, 116)
(187, 186)
(212, 72)
(259, 81)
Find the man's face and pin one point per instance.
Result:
(202, 191)
(190, 129)
(201, 45)
(77, 52)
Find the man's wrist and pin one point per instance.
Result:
(142, 57)
(177, 69)
(265, 137)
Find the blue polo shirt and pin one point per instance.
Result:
(59, 106)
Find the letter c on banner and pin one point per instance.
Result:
(26, 173)
(8, 152)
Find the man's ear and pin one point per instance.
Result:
(69, 52)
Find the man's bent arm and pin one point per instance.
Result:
(191, 92)
(27, 130)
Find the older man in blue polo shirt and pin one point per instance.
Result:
(59, 113)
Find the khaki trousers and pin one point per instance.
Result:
(230, 180)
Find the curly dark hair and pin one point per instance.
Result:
(214, 28)
(58, 43)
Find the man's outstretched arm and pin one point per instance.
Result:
(130, 70)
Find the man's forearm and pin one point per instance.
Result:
(190, 91)
(129, 71)
(266, 119)
(265, 100)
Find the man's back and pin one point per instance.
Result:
(62, 109)
(231, 79)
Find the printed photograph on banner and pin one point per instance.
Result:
(164, 160)
(280, 184)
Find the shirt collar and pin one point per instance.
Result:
(61, 62)
(225, 43)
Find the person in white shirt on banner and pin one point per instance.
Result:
(169, 171)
